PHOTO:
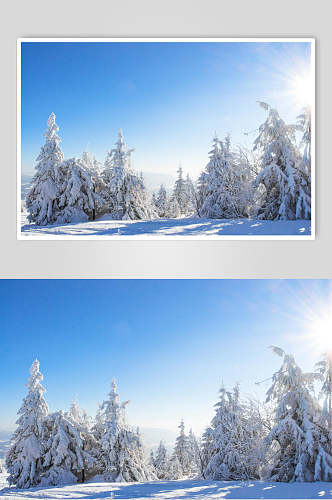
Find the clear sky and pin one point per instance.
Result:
(169, 98)
(169, 343)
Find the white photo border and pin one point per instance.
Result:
(39, 237)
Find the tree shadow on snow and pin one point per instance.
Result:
(175, 227)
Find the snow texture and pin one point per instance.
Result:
(192, 227)
(175, 490)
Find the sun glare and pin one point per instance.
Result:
(320, 332)
(302, 89)
(317, 319)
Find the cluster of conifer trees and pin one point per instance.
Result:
(271, 182)
(289, 438)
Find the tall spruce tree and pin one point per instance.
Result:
(194, 453)
(223, 185)
(207, 449)
(25, 457)
(121, 451)
(180, 193)
(278, 180)
(42, 198)
(234, 439)
(324, 368)
(161, 462)
(125, 193)
(303, 204)
(302, 446)
(161, 202)
(182, 451)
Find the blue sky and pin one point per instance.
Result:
(169, 98)
(169, 343)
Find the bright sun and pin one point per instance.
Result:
(302, 89)
(317, 316)
(320, 332)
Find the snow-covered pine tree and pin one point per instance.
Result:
(173, 209)
(194, 453)
(125, 194)
(94, 169)
(121, 453)
(180, 193)
(79, 200)
(162, 202)
(324, 368)
(75, 412)
(278, 179)
(303, 204)
(79, 415)
(234, 436)
(161, 462)
(192, 200)
(42, 198)
(69, 450)
(302, 448)
(182, 451)
(87, 160)
(207, 449)
(25, 457)
(152, 461)
(222, 186)
(174, 468)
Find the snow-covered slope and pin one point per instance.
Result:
(175, 490)
(186, 227)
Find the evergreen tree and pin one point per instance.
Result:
(207, 449)
(223, 185)
(125, 194)
(79, 200)
(174, 468)
(303, 205)
(94, 170)
(75, 412)
(194, 454)
(181, 450)
(303, 447)
(121, 454)
(42, 198)
(162, 202)
(173, 210)
(161, 462)
(234, 436)
(192, 200)
(87, 160)
(324, 368)
(152, 461)
(69, 449)
(78, 415)
(278, 179)
(180, 192)
(96, 167)
(25, 457)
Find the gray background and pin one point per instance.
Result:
(166, 259)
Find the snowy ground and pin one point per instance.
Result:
(174, 490)
(187, 227)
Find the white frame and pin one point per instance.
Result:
(39, 237)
